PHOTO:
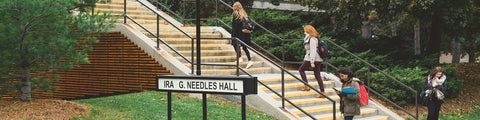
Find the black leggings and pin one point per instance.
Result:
(236, 47)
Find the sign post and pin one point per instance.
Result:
(234, 85)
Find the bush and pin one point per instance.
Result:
(397, 93)
(414, 78)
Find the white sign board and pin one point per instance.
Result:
(201, 85)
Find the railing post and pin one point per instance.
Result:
(283, 89)
(158, 32)
(124, 11)
(93, 10)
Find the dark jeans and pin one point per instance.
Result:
(316, 72)
(434, 106)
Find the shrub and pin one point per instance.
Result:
(412, 77)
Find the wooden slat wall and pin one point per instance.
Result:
(117, 66)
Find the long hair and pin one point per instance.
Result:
(238, 11)
(309, 29)
(435, 71)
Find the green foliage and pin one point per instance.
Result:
(272, 20)
(413, 77)
(43, 36)
(342, 58)
(152, 105)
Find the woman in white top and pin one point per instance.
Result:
(435, 80)
(312, 58)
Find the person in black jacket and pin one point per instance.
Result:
(435, 82)
(238, 16)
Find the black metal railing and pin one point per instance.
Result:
(283, 72)
(261, 51)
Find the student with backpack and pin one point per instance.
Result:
(349, 95)
(241, 29)
(311, 59)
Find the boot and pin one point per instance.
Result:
(321, 96)
(305, 88)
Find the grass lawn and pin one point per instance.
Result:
(152, 105)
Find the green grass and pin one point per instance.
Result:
(475, 115)
(152, 105)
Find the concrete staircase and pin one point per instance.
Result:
(320, 108)
(215, 49)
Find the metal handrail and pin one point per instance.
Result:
(387, 75)
(283, 70)
(365, 62)
(167, 9)
(169, 46)
(149, 32)
(328, 64)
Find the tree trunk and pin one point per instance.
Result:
(416, 37)
(471, 56)
(26, 85)
(470, 48)
(436, 31)
(456, 52)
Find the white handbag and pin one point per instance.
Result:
(439, 94)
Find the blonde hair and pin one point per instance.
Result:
(309, 29)
(238, 11)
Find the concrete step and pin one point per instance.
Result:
(206, 53)
(189, 41)
(228, 65)
(289, 79)
(329, 116)
(317, 109)
(377, 117)
(203, 47)
(304, 94)
(312, 101)
(153, 26)
(182, 35)
(253, 70)
(296, 86)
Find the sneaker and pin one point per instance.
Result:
(249, 64)
(240, 60)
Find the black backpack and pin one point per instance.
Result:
(247, 24)
(322, 44)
